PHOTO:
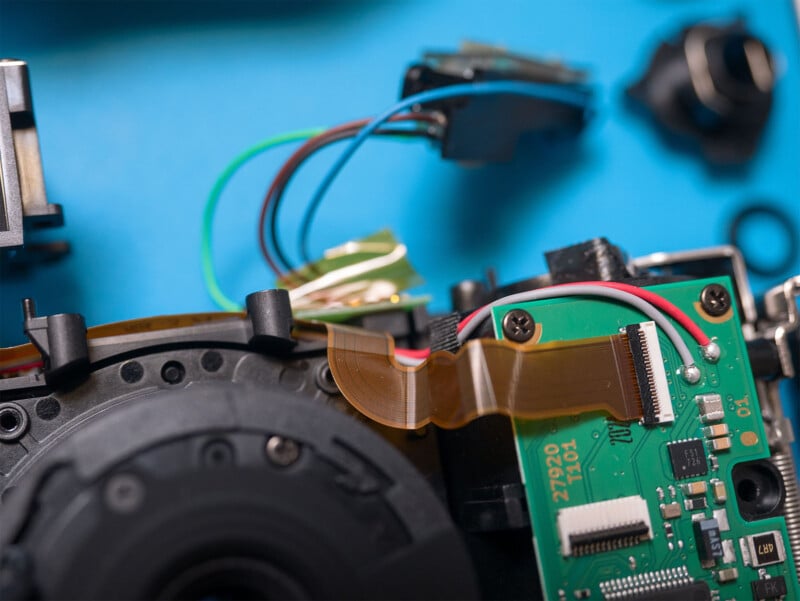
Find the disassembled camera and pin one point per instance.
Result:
(611, 429)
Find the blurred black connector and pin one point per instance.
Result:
(711, 84)
(489, 128)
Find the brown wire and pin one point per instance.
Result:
(299, 156)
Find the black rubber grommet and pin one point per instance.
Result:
(778, 216)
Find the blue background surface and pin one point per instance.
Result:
(141, 105)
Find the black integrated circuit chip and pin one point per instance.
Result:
(770, 588)
(688, 458)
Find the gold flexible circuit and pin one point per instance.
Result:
(485, 376)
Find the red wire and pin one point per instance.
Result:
(661, 303)
(467, 319)
(651, 297)
(411, 353)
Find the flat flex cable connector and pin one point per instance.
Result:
(486, 376)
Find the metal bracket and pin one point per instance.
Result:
(780, 308)
(23, 200)
(707, 262)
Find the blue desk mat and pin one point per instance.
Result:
(141, 105)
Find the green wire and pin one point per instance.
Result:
(209, 274)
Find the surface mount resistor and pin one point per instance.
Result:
(719, 491)
(716, 430)
(694, 488)
(720, 444)
(695, 503)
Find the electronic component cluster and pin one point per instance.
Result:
(627, 498)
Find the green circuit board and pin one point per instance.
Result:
(634, 511)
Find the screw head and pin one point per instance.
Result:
(518, 325)
(282, 451)
(715, 300)
(173, 372)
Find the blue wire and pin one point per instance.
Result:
(575, 96)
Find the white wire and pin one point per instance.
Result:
(348, 272)
(408, 361)
(585, 290)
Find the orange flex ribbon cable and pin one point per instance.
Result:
(485, 376)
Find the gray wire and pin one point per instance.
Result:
(585, 290)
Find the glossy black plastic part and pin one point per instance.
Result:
(711, 84)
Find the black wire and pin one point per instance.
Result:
(275, 202)
(324, 143)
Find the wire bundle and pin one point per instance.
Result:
(318, 138)
(423, 125)
(425, 128)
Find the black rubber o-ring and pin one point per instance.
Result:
(783, 220)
